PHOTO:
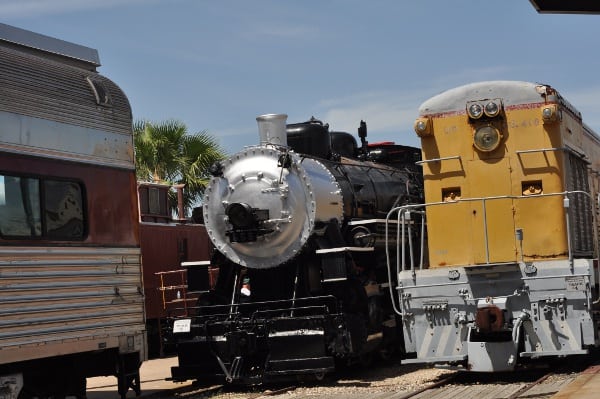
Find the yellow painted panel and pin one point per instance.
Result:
(488, 179)
(452, 137)
(540, 218)
(543, 222)
(457, 232)
(449, 234)
(530, 160)
(471, 231)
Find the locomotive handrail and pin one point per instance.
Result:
(364, 221)
(325, 301)
(575, 151)
(439, 159)
(344, 249)
(555, 276)
(402, 218)
(541, 150)
(324, 308)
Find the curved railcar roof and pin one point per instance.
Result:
(47, 44)
(512, 93)
(61, 107)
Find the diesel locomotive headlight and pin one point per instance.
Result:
(487, 138)
(475, 111)
(550, 113)
(491, 109)
(423, 127)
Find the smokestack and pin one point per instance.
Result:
(271, 129)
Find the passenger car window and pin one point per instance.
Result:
(41, 208)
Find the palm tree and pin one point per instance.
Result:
(165, 152)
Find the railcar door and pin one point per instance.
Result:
(539, 213)
(491, 212)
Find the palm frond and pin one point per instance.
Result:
(167, 152)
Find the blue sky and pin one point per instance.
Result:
(216, 65)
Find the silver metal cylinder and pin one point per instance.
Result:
(271, 129)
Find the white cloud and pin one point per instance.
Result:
(389, 114)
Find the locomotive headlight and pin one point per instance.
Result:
(423, 127)
(487, 138)
(474, 110)
(240, 215)
(491, 109)
(550, 113)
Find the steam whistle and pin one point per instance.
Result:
(362, 133)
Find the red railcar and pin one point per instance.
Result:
(166, 243)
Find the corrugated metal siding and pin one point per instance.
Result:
(580, 210)
(68, 300)
(41, 88)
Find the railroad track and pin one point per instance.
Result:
(215, 391)
(403, 382)
(454, 386)
(544, 387)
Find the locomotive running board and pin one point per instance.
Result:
(343, 249)
(430, 360)
(537, 355)
(369, 221)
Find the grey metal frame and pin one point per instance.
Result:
(548, 304)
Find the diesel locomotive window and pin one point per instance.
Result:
(40, 208)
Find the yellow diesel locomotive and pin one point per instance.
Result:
(508, 270)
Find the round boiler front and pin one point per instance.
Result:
(263, 208)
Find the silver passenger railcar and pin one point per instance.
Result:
(71, 296)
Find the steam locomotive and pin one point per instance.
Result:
(297, 224)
